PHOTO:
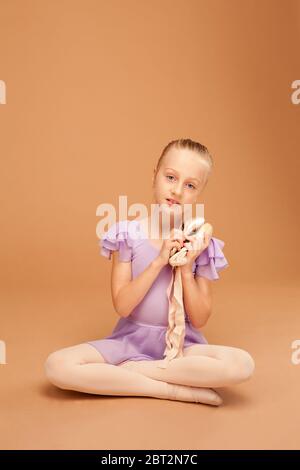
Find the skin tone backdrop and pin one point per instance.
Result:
(94, 91)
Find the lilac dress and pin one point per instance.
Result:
(141, 335)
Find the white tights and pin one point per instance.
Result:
(189, 378)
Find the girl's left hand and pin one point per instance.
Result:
(197, 248)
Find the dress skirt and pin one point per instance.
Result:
(136, 341)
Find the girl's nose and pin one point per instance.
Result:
(177, 193)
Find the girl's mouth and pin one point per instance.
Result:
(171, 202)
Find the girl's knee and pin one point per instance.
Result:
(54, 368)
(242, 366)
(248, 363)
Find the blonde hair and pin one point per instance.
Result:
(189, 144)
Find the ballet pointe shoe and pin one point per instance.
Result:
(203, 395)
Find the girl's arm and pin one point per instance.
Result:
(127, 293)
(197, 297)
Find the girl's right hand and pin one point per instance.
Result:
(176, 239)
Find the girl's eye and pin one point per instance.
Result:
(169, 177)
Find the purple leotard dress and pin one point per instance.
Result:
(141, 335)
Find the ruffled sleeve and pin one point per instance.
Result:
(117, 239)
(211, 260)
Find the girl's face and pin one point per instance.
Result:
(181, 177)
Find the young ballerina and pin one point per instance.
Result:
(127, 362)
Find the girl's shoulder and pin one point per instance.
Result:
(120, 237)
(211, 260)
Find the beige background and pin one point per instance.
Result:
(95, 90)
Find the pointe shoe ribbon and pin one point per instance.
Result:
(176, 328)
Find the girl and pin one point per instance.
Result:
(127, 362)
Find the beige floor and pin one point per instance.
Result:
(262, 413)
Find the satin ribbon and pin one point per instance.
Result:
(176, 328)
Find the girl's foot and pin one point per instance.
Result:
(204, 395)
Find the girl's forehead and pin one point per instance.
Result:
(186, 163)
(182, 157)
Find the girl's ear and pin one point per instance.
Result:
(153, 177)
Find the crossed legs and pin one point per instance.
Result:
(82, 368)
(202, 365)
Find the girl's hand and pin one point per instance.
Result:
(176, 239)
(196, 247)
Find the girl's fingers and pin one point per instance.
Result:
(180, 241)
(175, 243)
(197, 245)
(194, 243)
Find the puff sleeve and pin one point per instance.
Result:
(117, 239)
(211, 260)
